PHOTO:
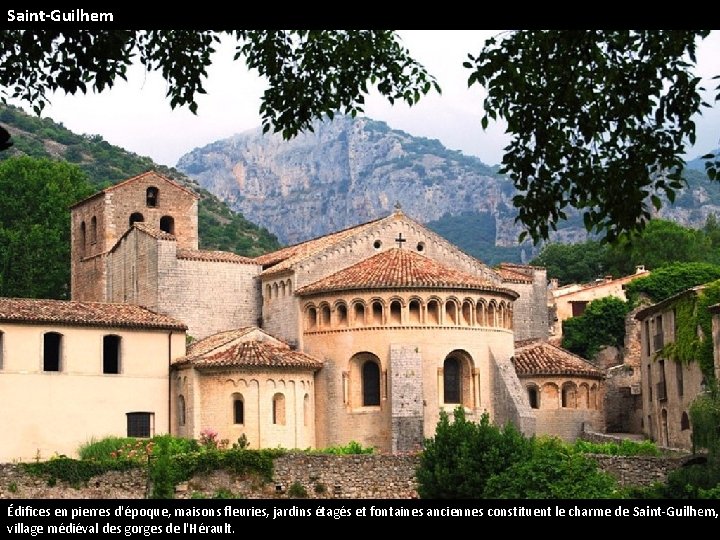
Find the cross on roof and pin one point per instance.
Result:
(400, 240)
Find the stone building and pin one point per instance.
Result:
(71, 371)
(571, 300)
(668, 387)
(565, 390)
(365, 334)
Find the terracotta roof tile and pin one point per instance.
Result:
(542, 358)
(399, 268)
(510, 275)
(285, 258)
(70, 313)
(216, 256)
(247, 347)
(151, 231)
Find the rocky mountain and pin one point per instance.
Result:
(348, 171)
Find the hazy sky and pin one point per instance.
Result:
(137, 116)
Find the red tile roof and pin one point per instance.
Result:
(151, 231)
(542, 358)
(27, 310)
(397, 267)
(513, 276)
(247, 347)
(215, 256)
(284, 259)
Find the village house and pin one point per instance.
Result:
(73, 371)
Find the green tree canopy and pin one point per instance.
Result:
(602, 324)
(573, 263)
(672, 279)
(599, 119)
(311, 73)
(35, 225)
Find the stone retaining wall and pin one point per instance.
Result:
(379, 476)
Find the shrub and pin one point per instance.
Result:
(552, 471)
(297, 490)
(463, 456)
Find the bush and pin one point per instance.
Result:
(623, 448)
(463, 456)
(602, 324)
(553, 471)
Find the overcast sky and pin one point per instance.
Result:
(137, 116)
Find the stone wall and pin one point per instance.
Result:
(406, 398)
(377, 476)
(510, 403)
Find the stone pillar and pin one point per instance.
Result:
(406, 398)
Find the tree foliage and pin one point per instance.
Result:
(468, 460)
(599, 121)
(35, 225)
(602, 324)
(672, 279)
(464, 455)
(552, 471)
(311, 73)
(573, 263)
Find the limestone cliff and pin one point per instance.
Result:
(349, 171)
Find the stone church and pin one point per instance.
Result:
(364, 334)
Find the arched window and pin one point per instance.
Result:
(466, 314)
(342, 314)
(491, 318)
(451, 312)
(181, 410)
(569, 396)
(167, 224)
(93, 230)
(239, 409)
(135, 217)
(111, 354)
(395, 312)
(306, 410)
(371, 383)
(452, 381)
(480, 314)
(433, 312)
(359, 314)
(83, 239)
(152, 197)
(52, 351)
(533, 396)
(278, 409)
(684, 421)
(377, 313)
(414, 311)
(311, 318)
(325, 316)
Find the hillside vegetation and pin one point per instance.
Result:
(106, 164)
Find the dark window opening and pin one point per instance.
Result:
(239, 411)
(111, 354)
(371, 383)
(83, 239)
(135, 217)
(533, 397)
(139, 424)
(684, 422)
(451, 381)
(578, 307)
(51, 351)
(167, 224)
(151, 197)
(93, 230)
(181, 410)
